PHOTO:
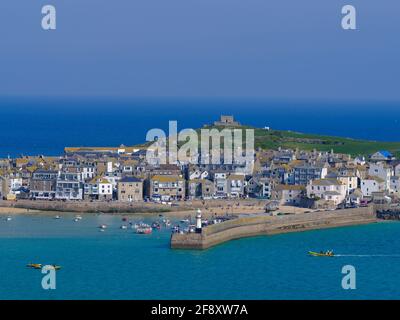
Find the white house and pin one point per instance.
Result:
(266, 188)
(381, 170)
(287, 194)
(105, 189)
(14, 184)
(235, 185)
(394, 187)
(372, 184)
(382, 155)
(327, 189)
(351, 182)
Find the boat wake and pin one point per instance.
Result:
(368, 255)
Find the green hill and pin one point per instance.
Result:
(273, 139)
(288, 139)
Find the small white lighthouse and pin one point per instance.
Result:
(198, 221)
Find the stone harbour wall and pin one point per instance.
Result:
(267, 225)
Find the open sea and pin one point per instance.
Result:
(33, 125)
(118, 264)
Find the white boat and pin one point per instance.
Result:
(146, 230)
(8, 218)
(185, 220)
(124, 227)
(57, 217)
(103, 226)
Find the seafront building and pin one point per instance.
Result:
(130, 189)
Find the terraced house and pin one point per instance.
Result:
(331, 190)
(167, 187)
(43, 184)
(303, 174)
(130, 189)
(69, 185)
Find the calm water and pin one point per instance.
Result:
(118, 264)
(46, 126)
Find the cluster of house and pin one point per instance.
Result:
(290, 177)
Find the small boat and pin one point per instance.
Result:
(321, 254)
(124, 219)
(156, 225)
(124, 227)
(8, 218)
(57, 217)
(103, 226)
(34, 265)
(185, 220)
(147, 230)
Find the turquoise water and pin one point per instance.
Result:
(118, 264)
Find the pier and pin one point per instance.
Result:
(256, 225)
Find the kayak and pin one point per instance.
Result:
(318, 254)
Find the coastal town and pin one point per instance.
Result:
(281, 177)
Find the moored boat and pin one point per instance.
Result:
(146, 230)
(156, 225)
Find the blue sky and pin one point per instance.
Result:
(277, 49)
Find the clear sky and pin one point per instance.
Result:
(292, 49)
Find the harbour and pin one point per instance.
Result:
(120, 264)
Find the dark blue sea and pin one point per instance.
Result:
(46, 125)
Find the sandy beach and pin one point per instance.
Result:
(209, 208)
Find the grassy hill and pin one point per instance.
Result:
(273, 139)
(288, 139)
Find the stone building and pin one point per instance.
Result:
(43, 184)
(130, 189)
